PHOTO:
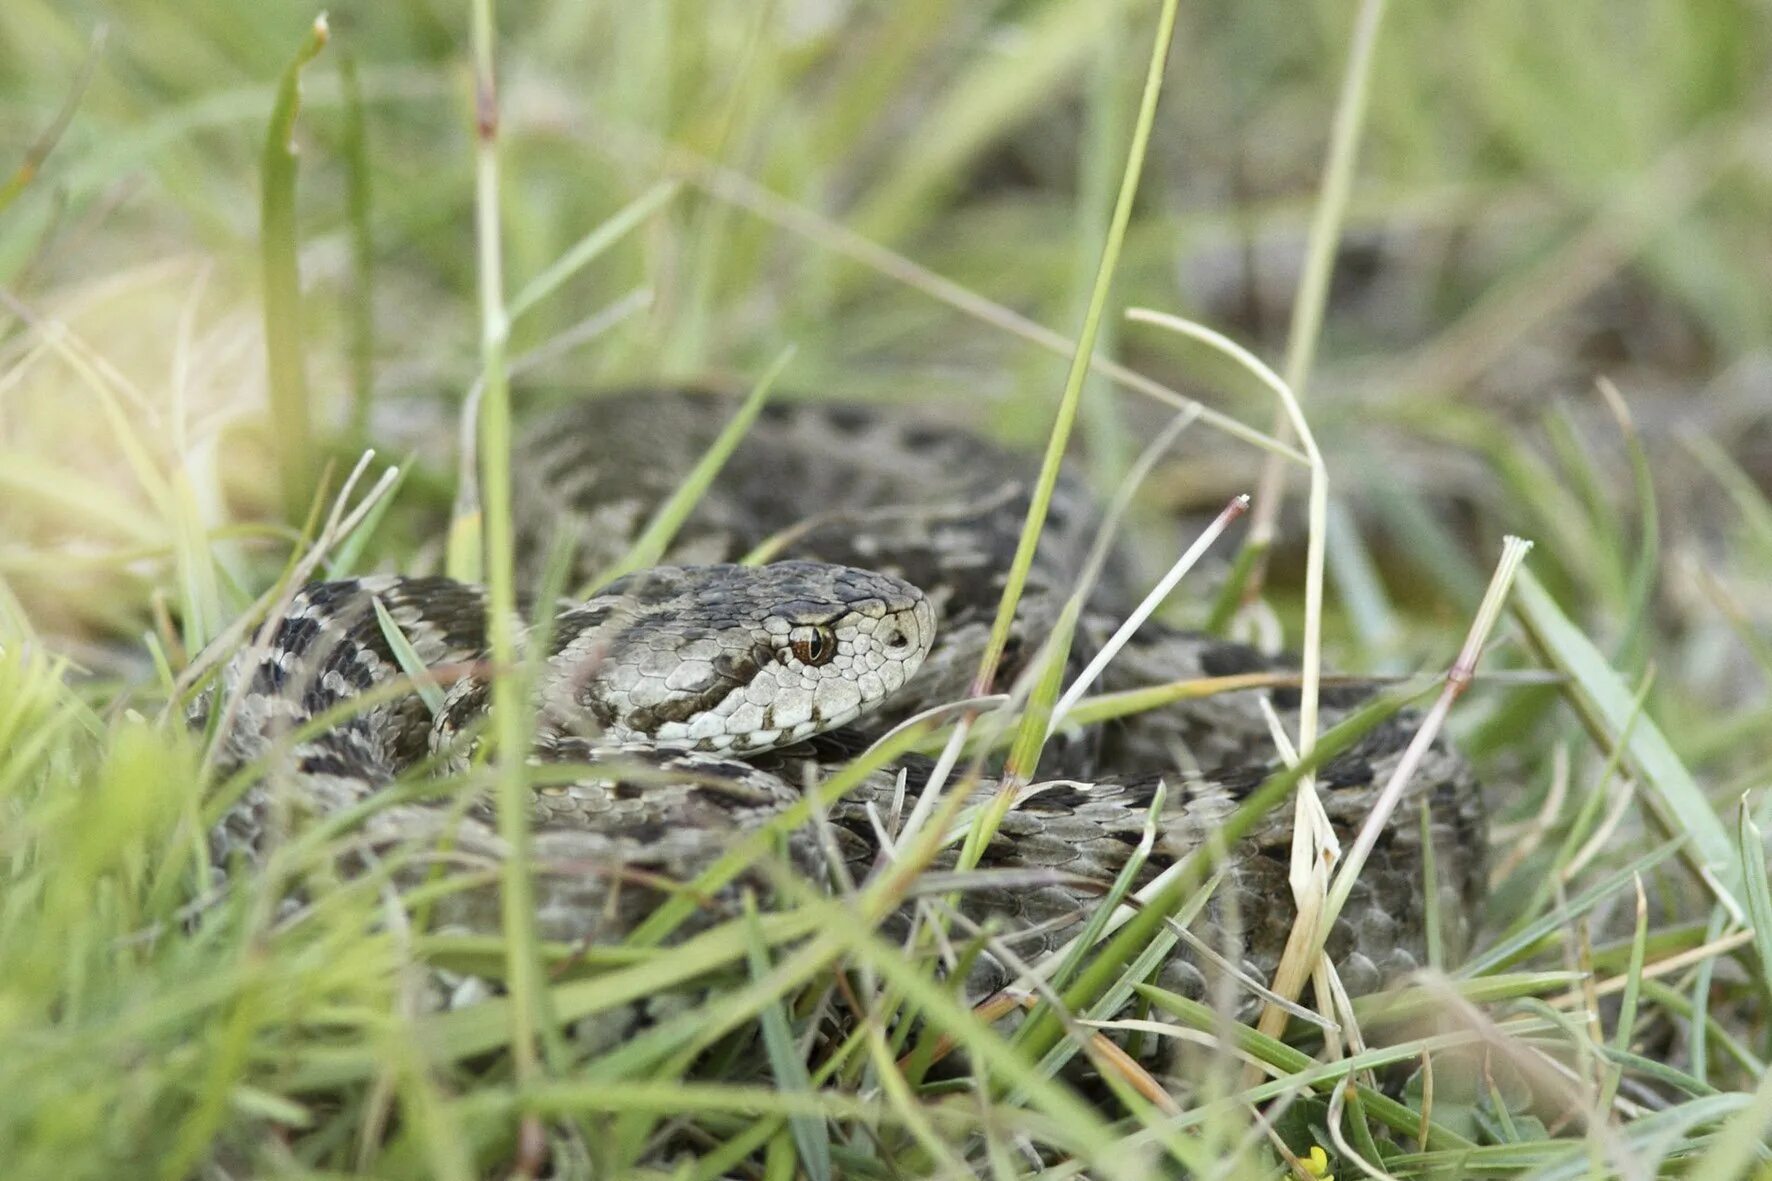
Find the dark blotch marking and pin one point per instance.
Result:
(1231, 660)
(925, 438)
(574, 623)
(849, 420)
(646, 832)
(296, 634)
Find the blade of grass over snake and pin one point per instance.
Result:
(668, 917)
(511, 722)
(1073, 387)
(459, 1034)
(688, 1034)
(409, 661)
(1144, 610)
(1110, 902)
(1151, 957)
(1042, 1030)
(1030, 738)
(1457, 680)
(1311, 648)
(1604, 704)
(1085, 1129)
(1301, 953)
(650, 546)
(1298, 1070)
(789, 1069)
(285, 350)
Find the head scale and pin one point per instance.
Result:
(735, 658)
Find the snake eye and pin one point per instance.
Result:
(813, 646)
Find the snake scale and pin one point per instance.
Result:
(695, 701)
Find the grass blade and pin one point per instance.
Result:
(285, 348)
(1079, 370)
(1759, 893)
(1605, 704)
(811, 1136)
(650, 546)
(593, 244)
(358, 195)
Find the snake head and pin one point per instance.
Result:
(736, 658)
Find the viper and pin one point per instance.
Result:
(682, 706)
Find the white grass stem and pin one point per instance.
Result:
(1145, 609)
(1312, 654)
(932, 790)
(1123, 497)
(1513, 552)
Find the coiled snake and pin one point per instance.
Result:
(705, 697)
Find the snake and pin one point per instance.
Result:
(691, 703)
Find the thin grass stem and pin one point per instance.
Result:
(1060, 435)
(510, 718)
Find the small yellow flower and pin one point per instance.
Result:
(1317, 1164)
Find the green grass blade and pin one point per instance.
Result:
(285, 346)
(1043, 1030)
(1299, 1070)
(1605, 704)
(359, 198)
(1074, 380)
(423, 683)
(1741, 1142)
(1759, 893)
(1526, 940)
(810, 1134)
(650, 546)
(588, 248)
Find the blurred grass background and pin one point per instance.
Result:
(1545, 195)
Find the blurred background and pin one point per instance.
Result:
(1545, 195)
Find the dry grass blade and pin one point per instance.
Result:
(1457, 681)
(45, 143)
(1143, 611)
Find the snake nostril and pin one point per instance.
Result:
(896, 640)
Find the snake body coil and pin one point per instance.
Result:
(690, 703)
